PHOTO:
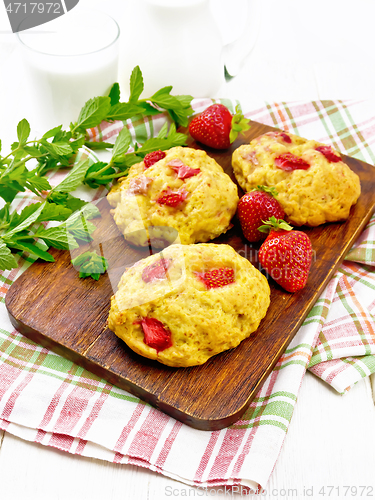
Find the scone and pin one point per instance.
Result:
(188, 303)
(314, 185)
(185, 197)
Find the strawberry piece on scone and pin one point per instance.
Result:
(329, 153)
(289, 161)
(183, 171)
(216, 278)
(216, 127)
(285, 137)
(139, 185)
(156, 271)
(172, 198)
(155, 334)
(286, 255)
(153, 157)
(254, 208)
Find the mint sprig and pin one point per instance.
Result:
(30, 161)
(110, 108)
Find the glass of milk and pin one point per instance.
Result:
(68, 61)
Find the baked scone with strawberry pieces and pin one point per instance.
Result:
(314, 185)
(188, 302)
(181, 195)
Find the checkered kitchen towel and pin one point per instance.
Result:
(50, 400)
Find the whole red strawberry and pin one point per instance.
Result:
(254, 208)
(286, 255)
(216, 127)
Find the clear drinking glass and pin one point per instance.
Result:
(68, 61)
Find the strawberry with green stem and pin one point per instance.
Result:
(216, 127)
(286, 254)
(256, 206)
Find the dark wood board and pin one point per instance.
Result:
(49, 304)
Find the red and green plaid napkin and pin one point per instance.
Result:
(50, 400)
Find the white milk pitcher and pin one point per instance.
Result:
(178, 43)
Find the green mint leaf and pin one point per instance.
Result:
(163, 143)
(47, 164)
(61, 148)
(114, 94)
(161, 92)
(125, 162)
(78, 223)
(63, 136)
(180, 116)
(124, 110)
(80, 259)
(53, 211)
(98, 145)
(122, 143)
(30, 216)
(74, 178)
(163, 131)
(51, 133)
(57, 237)
(149, 110)
(32, 248)
(93, 113)
(17, 218)
(185, 101)
(49, 212)
(81, 229)
(56, 152)
(178, 106)
(66, 200)
(32, 151)
(176, 138)
(90, 264)
(10, 190)
(23, 131)
(39, 183)
(5, 216)
(77, 143)
(136, 84)
(7, 260)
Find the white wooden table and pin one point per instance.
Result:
(305, 51)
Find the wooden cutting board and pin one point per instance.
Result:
(52, 306)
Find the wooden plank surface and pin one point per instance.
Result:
(52, 306)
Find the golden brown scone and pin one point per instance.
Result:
(188, 303)
(149, 198)
(323, 190)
